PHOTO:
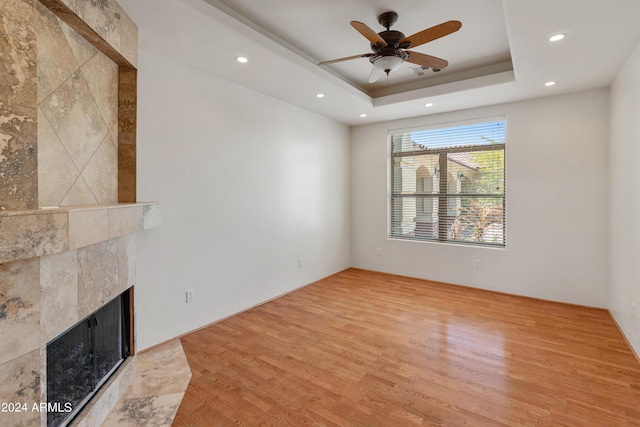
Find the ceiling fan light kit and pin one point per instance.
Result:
(384, 65)
(389, 47)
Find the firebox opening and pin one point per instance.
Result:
(82, 359)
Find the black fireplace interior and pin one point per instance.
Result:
(81, 359)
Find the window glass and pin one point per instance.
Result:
(447, 184)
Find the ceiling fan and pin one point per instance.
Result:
(389, 47)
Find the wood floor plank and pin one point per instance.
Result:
(369, 349)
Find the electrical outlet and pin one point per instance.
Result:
(476, 264)
(299, 262)
(379, 251)
(191, 294)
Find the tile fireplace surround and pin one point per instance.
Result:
(67, 139)
(56, 267)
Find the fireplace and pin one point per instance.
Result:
(82, 359)
(68, 206)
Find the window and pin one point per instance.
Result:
(447, 184)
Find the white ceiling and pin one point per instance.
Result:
(321, 30)
(501, 54)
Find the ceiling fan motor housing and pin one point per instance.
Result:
(391, 50)
(392, 38)
(387, 51)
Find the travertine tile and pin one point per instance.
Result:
(87, 227)
(101, 173)
(56, 61)
(78, 110)
(104, 24)
(127, 104)
(103, 17)
(127, 97)
(20, 382)
(27, 236)
(125, 220)
(18, 73)
(81, 48)
(56, 171)
(157, 411)
(162, 377)
(107, 398)
(19, 308)
(101, 75)
(79, 194)
(108, 19)
(59, 294)
(82, 112)
(162, 370)
(129, 39)
(128, 76)
(152, 216)
(74, 116)
(43, 382)
(114, 132)
(71, 4)
(127, 267)
(18, 157)
(97, 276)
(126, 173)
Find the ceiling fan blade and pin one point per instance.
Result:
(376, 73)
(369, 34)
(364, 55)
(432, 33)
(426, 61)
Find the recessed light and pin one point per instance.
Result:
(557, 37)
(319, 95)
(428, 104)
(363, 115)
(550, 83)
(242, 59)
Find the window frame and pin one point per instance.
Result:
(443, 196)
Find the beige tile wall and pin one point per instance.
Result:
(18, 133)
(77, 117)
(61, 112)
(67, 98)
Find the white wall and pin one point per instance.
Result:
(624, 239)
(247, 185)
(557, 175)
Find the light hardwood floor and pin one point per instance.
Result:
(370, 349)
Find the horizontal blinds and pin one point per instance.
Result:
(448, 184)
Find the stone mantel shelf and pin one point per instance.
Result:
(36, 232)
